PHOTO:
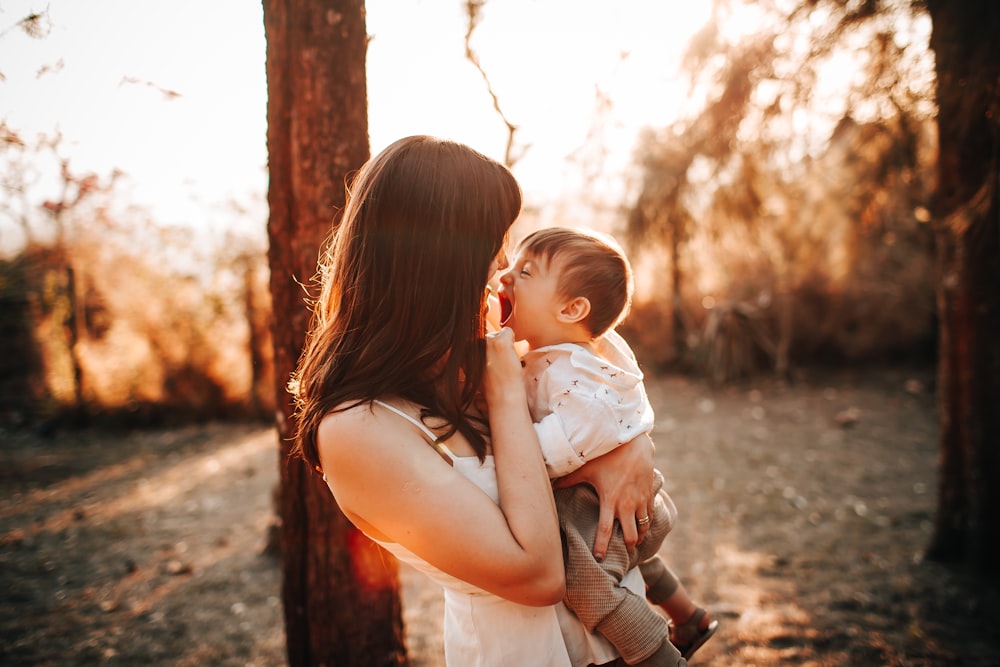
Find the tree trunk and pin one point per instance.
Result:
(257, 318)
(678, 330)
(967, 226)
(74, 320)
(340, 592)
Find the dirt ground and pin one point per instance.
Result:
(804, 508)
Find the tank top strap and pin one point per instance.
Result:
(437, 443)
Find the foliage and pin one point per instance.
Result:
(791, 201)
(109, 315)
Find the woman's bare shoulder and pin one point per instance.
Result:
(356, 445)
(360, 431)
(346, 418)
(342, 431)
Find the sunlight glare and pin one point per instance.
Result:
(549, 64)
(110, 68)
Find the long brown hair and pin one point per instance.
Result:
(401, 307)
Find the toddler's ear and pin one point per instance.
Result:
(575, 310)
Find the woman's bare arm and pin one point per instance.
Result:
(524, 488)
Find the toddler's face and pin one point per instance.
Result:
(529, 298)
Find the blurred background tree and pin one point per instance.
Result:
(787, 221)
(113, 316)
(783, 221)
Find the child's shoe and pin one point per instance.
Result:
(689, 636)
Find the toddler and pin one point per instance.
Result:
(563, 295)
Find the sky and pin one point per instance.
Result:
(174, 94)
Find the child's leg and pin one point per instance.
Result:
(660, 580)
(662, 520)
(667, 655)
(594, 591)
(691, 625)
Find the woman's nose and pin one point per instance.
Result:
(502, 261)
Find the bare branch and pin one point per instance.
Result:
(472, 8)
(167, 93)
(37, 25)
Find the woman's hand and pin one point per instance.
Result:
(624, 481)
(503, 367)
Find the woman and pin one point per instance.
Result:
(418, 419)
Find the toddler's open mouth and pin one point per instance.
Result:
(506, 307)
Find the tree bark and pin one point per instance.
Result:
(967, 232)
(340, 591)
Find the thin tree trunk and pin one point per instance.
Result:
(256, 340)
(678, 330)
(341, 593)
(74, 320)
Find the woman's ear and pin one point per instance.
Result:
(575, 310)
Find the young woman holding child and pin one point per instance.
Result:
(417, 418)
